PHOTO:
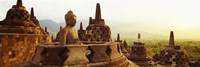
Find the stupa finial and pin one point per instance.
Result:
(171, 39)
(98, 12)
(32, 12)
(139, 36)
(19, 3)
(118, 37)
(81, 26)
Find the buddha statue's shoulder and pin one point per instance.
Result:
(67, 30)
(64, 30)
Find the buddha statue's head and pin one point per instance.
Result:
(70, 19)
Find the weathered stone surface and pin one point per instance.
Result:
(53, 55)
(99, 53)
(19, 36)
(38, 53)
(115, 52)
(50, 54)
(119, 61)
(76, 55)
(18, 48)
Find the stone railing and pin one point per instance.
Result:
(105, 54)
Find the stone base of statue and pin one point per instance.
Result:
(86, 55)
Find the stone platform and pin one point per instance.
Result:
(86, 55)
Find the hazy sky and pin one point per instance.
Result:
(159, 16)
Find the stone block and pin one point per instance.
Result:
(76, 55)
(115, 52)
(99, 53)
(17, 48)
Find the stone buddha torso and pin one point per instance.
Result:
(68, 35)
(71, 36)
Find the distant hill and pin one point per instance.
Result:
(144, 36)
(54, 27)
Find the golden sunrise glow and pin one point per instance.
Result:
(150, 16)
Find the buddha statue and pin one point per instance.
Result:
(68, 35)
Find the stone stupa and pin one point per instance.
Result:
(138, 54)
(171, 55)
(97, 30)
(20, 33)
